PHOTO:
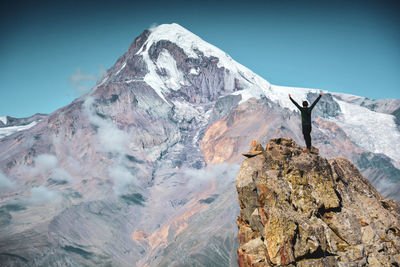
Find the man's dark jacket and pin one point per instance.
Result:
(306, 112)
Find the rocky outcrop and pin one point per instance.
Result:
(299, 209)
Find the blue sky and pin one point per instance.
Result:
(341, 46)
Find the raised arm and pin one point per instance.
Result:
(316, 100)
(294, 102)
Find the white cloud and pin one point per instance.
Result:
(5, 182)
(110, 137)
(111, 140)
(221, 174)
(46, 161)
(43, 163)
(82, 81)
(42, 194)
(78, 77)
(122, 178)
(153, 26)
(59, 174)
(47, 164)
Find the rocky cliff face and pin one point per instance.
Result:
(299, 209)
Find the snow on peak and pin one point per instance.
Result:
(178, 35)
(13, 129)
(173, 78)
(4, 119)
(191, 44)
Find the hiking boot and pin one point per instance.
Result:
(314, 150)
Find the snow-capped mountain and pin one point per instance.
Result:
(10, 125)
(140, 171)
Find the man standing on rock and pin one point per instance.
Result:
(306, 119)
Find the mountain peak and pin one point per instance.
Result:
(299, 208)
(185, 39)
(3, 119)
(174, 62)
(193, 46)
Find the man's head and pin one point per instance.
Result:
(305, 104)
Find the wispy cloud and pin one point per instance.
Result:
(81, 81)
(78, 77)
(5, 182)
(153, 26)
(48, 164)
(42, 194)
(122, 178)
(111, 140)
(221, 174)
(59, 174)
(45, 161)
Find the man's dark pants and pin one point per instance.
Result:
(307, 135)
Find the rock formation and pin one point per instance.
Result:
(299, 209)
